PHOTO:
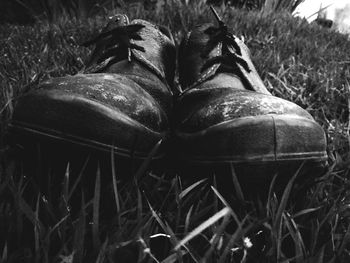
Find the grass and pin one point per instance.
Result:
(161, 215)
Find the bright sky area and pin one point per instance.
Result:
(336, 10)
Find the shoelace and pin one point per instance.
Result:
(229, 57)
(115, 44)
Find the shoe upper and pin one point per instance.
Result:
(223, 82)
(225, 112)
(123, 96)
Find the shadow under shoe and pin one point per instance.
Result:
(253, 181)
(226, 115)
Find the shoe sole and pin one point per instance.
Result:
(47, 135)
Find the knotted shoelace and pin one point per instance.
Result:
(228, 58)
(115, 44)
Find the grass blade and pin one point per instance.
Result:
(115, 186)
(65, 189)
(296, 236)
(96, 210)
(37, 231)
(102, 252)
(210, 221)
(277, 227)
(163, 225)
(174, 257)
(319, 258)
(190, 188)
(139, 205)
(146, 162)
(236, 184)
(222, 199)
(306, 211)
(78, 178)
(30, 214)
(187, 220)
(285, 197)
(216, 239)
(345, 242)
(269, 196)
(79, 233)
(4, 254)
(237, 234)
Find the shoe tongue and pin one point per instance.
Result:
(191, 60)
(160, 53)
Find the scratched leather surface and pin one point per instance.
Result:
(128, 97)
(209, 107)
(226, 114)
(223, 94)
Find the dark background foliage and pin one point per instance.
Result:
(29, 11)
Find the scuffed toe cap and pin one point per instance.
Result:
(226, 105)
(250, 127)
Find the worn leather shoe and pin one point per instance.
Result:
(121, 101)
(226, 114)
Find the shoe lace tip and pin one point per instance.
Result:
(129, 55)
(216, 15)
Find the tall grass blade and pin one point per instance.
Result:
(30, 214)
(236, 184)
(345, 243)
(319, 257)
(166, 228)
(146, 162)
(37, 231)
(277, 227)
(209, 222)
(174, 257)
(79, 233)
(4, 254)
(236, 235)
(188, 219)
(326, 177)
(190, 188)
(306, 211)
(296, 236)
(222, 199)
(66, 184)
(64, 205)
(5, 177)
(269, 196)
(78, 180)
(163, 225)
(96, 210)
(115, 186)
(102, 254)
(215, 201)
(319, 11)
(216, 239)
(58, 224)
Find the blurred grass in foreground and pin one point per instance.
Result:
(299, 62)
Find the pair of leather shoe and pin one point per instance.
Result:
(126, 101)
